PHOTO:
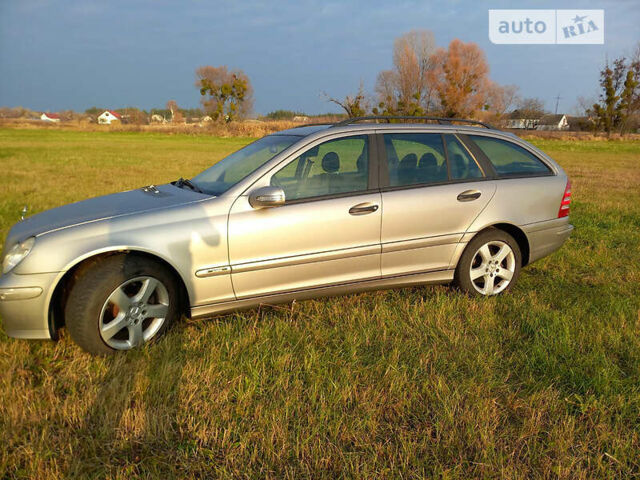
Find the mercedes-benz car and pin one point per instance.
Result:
(313, 211)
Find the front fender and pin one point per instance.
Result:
(186, 237)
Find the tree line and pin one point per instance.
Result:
(424, 80)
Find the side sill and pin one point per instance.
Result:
(422, 278)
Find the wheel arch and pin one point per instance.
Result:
(65, 283)
(518, 235)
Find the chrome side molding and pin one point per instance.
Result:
(213, 271)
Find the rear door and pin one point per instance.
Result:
(432, 190)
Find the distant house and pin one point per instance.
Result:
(300, 118)
(108, 117)
(520, 120)
(50, 117)
(553, 122)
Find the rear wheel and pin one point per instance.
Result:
(490, 264)
(120, 303)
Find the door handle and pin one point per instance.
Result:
(363, 208)
(469, 195)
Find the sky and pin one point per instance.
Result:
(75, 54)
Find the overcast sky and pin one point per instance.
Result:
(74, 54)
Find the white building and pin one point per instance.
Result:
(553, 122)
(109, 116)
(521, 120)
(50, 117)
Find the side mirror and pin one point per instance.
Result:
(266, 197)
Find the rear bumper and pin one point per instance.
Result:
(547, 237)
(24, 304)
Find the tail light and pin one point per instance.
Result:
(566, 201)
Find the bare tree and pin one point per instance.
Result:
(583, 105)
(500, 99)
(176, 114)
(406, 89)
(354, 105)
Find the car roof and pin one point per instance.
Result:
(309, 130)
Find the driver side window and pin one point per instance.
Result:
(331, 168)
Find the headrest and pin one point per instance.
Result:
(331, 162)
(409, 161)
(428, 160)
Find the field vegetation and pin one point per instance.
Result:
(424, 382)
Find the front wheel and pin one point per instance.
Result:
(120, 303)
(490, 264)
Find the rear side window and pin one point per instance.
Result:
(509, 158)
(461, 163)
(415, 158)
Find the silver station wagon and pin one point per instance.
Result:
(319, 210)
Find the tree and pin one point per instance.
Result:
(531, 109)
(354, 105)
(499, 99)
(460, 78)
(283, 115)
(94, 111)
(406, 90)
(133, 116)
(619, 93)
(226, 94)
(176, 114)
(633, 110)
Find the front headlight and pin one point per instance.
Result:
(16, 254)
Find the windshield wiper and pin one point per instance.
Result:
(185, 182)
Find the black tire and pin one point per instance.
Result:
(96, 282)
(463, 274)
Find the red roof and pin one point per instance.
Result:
(52, 115)
(115, 114)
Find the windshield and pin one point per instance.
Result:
(230, 170)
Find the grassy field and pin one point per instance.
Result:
(423, 382)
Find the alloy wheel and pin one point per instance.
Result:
(492, 267)
(134, 312)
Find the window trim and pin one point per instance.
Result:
(502, 176)
(372, 181)
(384, 165)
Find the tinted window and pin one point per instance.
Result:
(461, 164)
(509, 158)
(334, 167)
(415, 158)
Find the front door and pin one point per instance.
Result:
(328, 231)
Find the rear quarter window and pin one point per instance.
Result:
(510, 159)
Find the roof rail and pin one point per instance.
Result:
(319, 124)
(439, 120)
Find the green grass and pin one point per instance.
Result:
(543, 382)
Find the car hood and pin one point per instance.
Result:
(100, 208)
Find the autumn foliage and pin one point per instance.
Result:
(451, 82)
(460, 78)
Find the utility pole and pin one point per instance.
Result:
(558, 98)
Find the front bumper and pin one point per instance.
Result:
(24, 304)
